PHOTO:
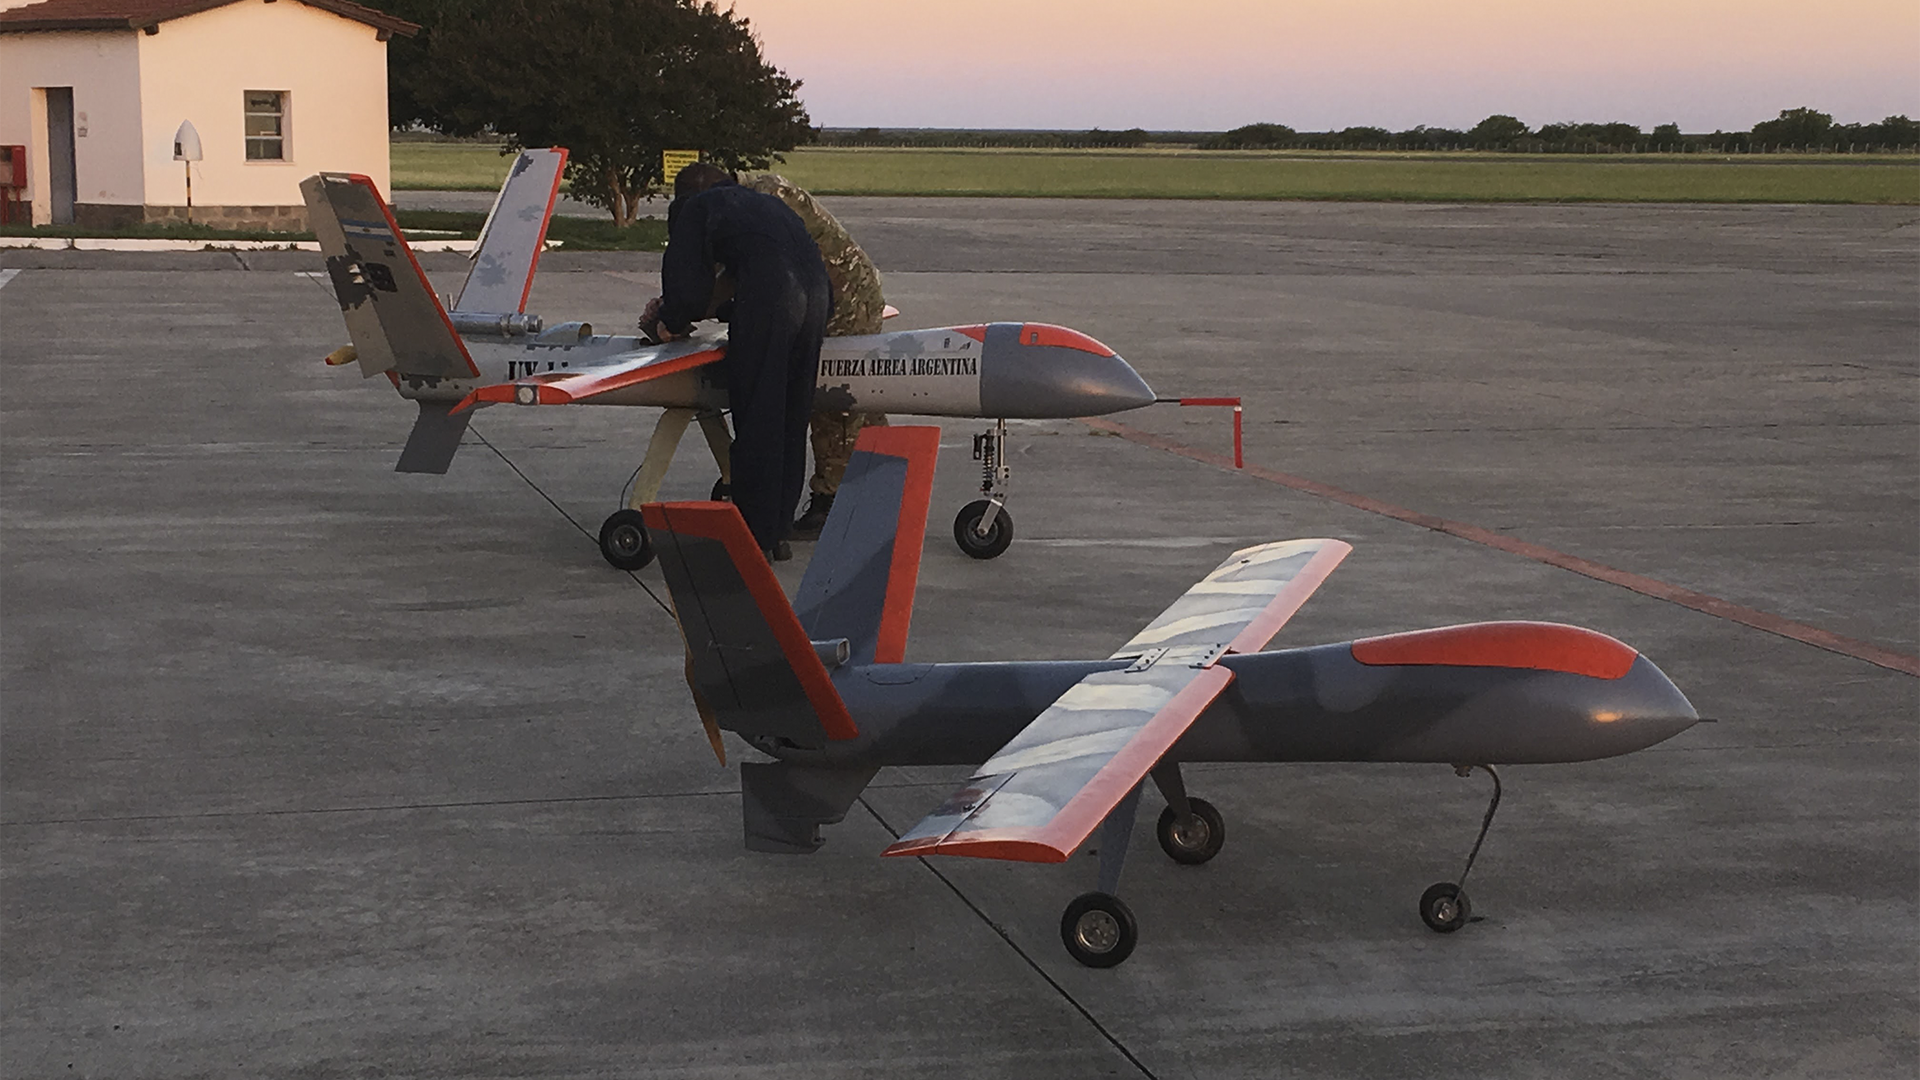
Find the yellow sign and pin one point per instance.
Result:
(672, 161)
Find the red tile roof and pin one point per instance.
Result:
(148, 14)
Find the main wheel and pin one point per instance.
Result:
(1444, 908)
(966, 530)
(1200, 840)
(624, 540)
(1099, 930)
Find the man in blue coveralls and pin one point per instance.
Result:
(776, 318)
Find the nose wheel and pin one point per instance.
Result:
(983, 528)
(1444, 906)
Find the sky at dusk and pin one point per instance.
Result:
(1326, 64)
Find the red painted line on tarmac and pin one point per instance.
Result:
(1646, 586)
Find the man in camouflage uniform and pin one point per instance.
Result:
(857, 309)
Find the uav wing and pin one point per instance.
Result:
(1051, 786)
(618, 373)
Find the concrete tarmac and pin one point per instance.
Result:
(308, 768)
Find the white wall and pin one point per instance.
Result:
(103, 69)
(334, 71)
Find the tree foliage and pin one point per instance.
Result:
(1252, 137)
(1498, 130)
(614, 81)
(1794, 127)
(946, 138)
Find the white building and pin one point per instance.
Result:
(277, 90)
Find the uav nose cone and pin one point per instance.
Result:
(1648, 709)
(1038, 371)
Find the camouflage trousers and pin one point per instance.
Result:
(832, 433)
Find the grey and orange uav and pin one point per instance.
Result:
(481, 347)
(1063, 749)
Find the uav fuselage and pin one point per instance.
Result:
(1318, 704)
(997, 370)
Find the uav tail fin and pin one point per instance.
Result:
(866, 567)
(749, 660)
(761, 670)
(509, 248)
(396, 322)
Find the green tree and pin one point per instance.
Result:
(1498, 130)
(614, 81)
(412, 85)
(1251, 137)
(1897, 131)
(1795, 127)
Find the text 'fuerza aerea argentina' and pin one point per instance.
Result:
(855, 367)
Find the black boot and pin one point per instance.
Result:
(781, 551)
(808, 525)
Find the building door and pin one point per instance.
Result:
(61, 184)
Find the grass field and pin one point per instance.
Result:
(1178, 174)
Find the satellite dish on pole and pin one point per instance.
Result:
(186, 148)
(186, 143)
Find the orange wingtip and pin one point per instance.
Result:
(982, 847)
(1292, 596)
(1535, 645)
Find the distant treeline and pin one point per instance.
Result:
(947, 138)
(1793, 130)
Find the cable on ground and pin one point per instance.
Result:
(563, 513)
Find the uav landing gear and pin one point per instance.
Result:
(624, 540)
(1098, 928)
(983, 528)
(1444, 907)
(1191, 831)
(623, 536)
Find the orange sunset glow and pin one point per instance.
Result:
(1325, 64)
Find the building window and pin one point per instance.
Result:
(266, 125)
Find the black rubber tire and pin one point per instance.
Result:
(1203, 839)
(722, 491)
(1445, 908)
(624, 540)
(997, 538)
(1099, 930)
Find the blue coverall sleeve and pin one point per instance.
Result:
(686, 270)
